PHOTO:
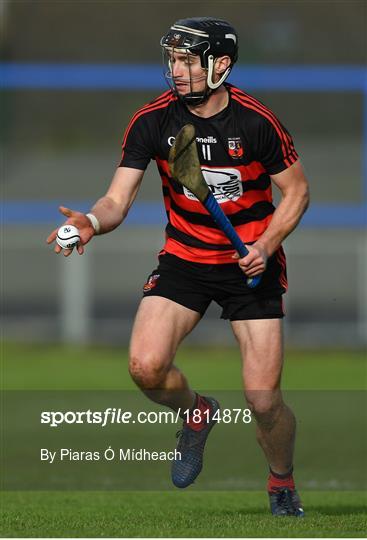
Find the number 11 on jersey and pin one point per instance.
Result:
(206, 152)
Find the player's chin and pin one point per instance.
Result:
(186, 89)
(182, 89)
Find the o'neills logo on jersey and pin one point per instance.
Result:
(235, 148)
(203, 140)
(225, 184)
(206, 140)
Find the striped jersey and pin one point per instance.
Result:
(239, 148)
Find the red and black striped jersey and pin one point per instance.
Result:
(239, 148)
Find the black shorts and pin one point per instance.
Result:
(195, 285)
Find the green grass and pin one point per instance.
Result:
(156, 514)
(193, 513)
(27, 367)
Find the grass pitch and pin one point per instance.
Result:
(188, 513)
(157, 514)
(57, 367)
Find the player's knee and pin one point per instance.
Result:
(146, 370)
(264, 405)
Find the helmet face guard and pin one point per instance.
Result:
(208, 45)
(191, 98)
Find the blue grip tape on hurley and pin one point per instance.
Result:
(221, 219)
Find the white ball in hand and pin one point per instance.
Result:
(68, 236)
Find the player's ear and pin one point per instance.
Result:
(221, 64)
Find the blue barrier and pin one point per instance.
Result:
(46, 212)
(153, 213)
(150, 77)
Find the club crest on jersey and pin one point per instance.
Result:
(151, 283)
(224, 182)
(235, 148)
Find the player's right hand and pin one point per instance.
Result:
(79, 220)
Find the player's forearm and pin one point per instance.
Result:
(111, 210)
(285, 219)
(109, 214)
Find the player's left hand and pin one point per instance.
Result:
(81, 222)
(254, 263)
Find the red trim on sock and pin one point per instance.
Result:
(203, 406)
(277, 483)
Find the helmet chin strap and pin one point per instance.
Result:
(197, 98)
